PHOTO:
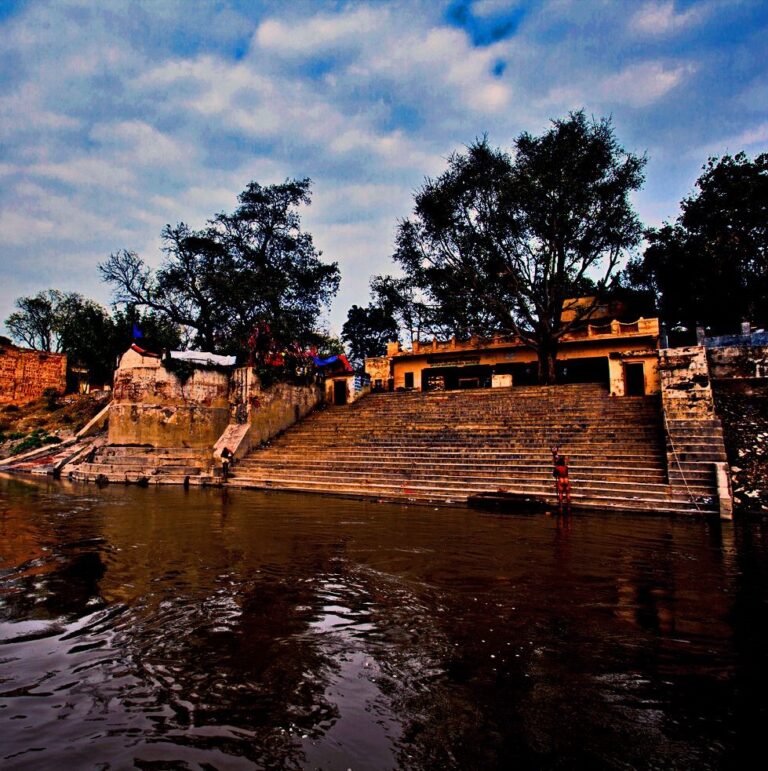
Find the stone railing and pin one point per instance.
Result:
(610, 329)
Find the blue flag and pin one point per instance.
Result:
(137, 333)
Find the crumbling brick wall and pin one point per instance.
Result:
(25, 374)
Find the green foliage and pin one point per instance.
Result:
(183, 370)
(254, 266)
(367, 332)
(39, 320)
(34, 441)
(499, 241)
(711, 264)
(67, 322)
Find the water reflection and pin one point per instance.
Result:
(189, 629)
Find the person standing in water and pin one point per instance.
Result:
(562, 481)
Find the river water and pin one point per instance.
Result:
(172, 629)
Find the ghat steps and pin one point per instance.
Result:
(140, 463)
(447, 446)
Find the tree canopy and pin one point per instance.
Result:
(249, 270)
(92, 338)
(499, 241)
(711, 264)
(367, 332)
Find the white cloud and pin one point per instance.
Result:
(654, 19)
(644, 83)
(137, 143)
(321, 33)
(752, 140)
(85, 172)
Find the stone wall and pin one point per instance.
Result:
(25, 374)
(276, 408)
(685, 386)
(738, 361)
(379, 368)
(152, 406)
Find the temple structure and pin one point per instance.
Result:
(623, 356)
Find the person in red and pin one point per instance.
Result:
(560, 474)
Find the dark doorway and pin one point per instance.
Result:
(634, 379)
(454, 378)
(522, 373)
(339, 391)
(586, 370)
(409, 380)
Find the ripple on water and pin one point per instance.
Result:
(151, 628)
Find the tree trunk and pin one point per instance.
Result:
(547, 362)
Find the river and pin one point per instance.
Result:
(171, 629)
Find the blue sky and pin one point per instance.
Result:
(119, 117)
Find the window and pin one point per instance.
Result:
(409, 379)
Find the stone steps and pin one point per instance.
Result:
(139, 464)
(449, 446)
(439, 494)
(592, 472)
(487, 481)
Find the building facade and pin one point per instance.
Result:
(623, 356)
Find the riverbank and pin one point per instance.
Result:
(46, 421)
(742, 406)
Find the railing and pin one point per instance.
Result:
(612, 329)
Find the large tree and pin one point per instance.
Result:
(367, 332)
(254, 268)
(711, 264)
(38, 319)
(499, 241)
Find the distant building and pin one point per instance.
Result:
(621, 355)
(25, 374)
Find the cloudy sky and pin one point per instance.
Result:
(117, 117)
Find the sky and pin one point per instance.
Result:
(118, 117)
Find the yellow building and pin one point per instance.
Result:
(621, 355)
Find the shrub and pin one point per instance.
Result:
(34, 441)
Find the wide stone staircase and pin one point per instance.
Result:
(447, 446)
(144, 464)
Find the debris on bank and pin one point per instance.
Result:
(743, 410)
(48, 421)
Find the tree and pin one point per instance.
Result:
(67, 322)
(252, 267)
(498, 242)
(37, 321)
(711, 264)
(367, 332)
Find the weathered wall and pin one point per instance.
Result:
(695, 448)
(378, 368)
(738, 361)
(25, 374)
(685, 385)
(258, 415)
(152, 406)
(276, 408)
